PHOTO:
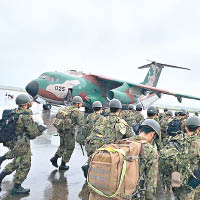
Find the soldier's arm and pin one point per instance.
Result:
(151, 172)
(31, 129)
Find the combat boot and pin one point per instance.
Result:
(54, 160)
(18, 189)
(2, 158)
(63, 166)
(2, 175)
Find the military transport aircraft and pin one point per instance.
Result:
(57, 88)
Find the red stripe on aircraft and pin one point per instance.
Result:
(49, 95)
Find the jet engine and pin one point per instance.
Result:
(121, 93)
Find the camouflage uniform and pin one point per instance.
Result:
(185, 162)
(162, 115)
(138, 116)
(26, 129)
(106, 112)
(108, 131)
(10, 144)
(67, 135)
(164, 124)
(148, 167)
(129, 117)
(91, 120)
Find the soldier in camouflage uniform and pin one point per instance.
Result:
(25, 130)
(184, 151)
(73, 118)
(138, 114)
(163, 114)
(9, 155)
(93, 117)
(109, 130)
(150, 129)
(152, 114)
(164, 123)
(129, 116)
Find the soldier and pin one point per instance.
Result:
(184, 159)
(129, 116)
(109, 130)
(9, 155)
(163, 114)
(138, 114)
(93, 117)
(152, 113)
(150, 129)
(66, 120)
(25, 130)
(164, 123)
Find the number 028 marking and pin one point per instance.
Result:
(60, 88)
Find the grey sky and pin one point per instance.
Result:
(106, 37)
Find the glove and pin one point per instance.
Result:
(42, 128)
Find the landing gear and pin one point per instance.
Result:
(47, 106)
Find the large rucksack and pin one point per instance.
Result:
(174, 127)
(114, 171)
(63, 119)
(7, 125)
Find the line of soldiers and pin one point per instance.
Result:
(115, 125)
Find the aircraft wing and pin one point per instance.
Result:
(143, 89)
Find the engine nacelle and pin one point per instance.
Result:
(121, 93)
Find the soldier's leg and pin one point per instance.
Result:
(24, 164)
(7, 155)
(61, 148)
(59, 152)
(11, 167)
(69, 142)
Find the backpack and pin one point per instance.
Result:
(100, 135)
(90, 125)
(174, 127)
(136, 128)
(63, 120)
(114, 171)
(7, 125)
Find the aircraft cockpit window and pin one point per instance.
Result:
(43, 76)
(49, 78)
(55, 79)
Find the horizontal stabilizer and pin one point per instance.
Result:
(161, 65)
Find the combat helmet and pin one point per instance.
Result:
(77, 99)
(169, 112)
(193, 121)
(182, 112)
(23, 99)
(96, 104)
(165, 109)
(151, 110)
(131, 107)
(139, 107)
(153, 124)
(115, 103)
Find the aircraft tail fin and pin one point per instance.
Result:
(154, 72)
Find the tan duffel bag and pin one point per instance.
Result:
(114, 171)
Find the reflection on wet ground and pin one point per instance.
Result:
(45, 181)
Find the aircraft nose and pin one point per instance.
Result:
(32, 88)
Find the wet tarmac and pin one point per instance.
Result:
(44, 180)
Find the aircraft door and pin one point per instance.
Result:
(68, 98)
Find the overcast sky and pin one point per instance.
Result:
(105, 37)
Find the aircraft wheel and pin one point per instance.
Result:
(47, 106)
